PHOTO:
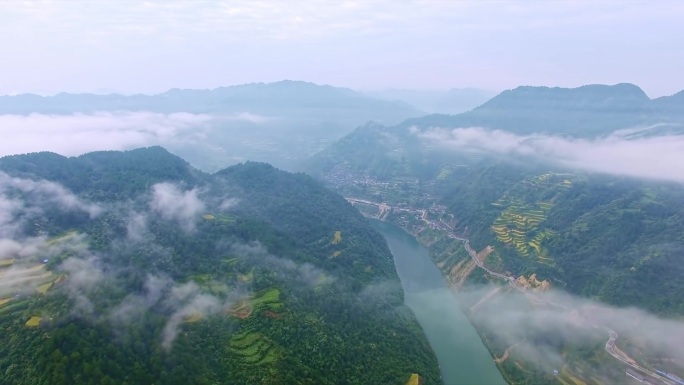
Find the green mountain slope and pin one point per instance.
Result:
(603, 226)
(609, 240)
(128, 268)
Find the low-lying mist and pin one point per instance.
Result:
(539, 326)
(621, 153)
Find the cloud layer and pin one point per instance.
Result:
(80, 133)
(657, 157)
(537, 328)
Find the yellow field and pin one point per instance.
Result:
(568, 375)
(4, 301)
(34, 269)
(33, 322)
(414, 379)
(337, 238)
(6, 262)
(27, 279)
(20, 272)
(208, 217)
(61, 237)
(336, 254)
(42, 289)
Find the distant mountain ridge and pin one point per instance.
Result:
(286, 93)
(280, 123)
(587, 111)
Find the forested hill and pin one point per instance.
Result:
(587, 111)
(132, 267)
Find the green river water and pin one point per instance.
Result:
(462, 357)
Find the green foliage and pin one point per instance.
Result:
(310, 323)
(614, 239)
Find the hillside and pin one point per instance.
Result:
(543, 217)
(133, 267)
(477, 185)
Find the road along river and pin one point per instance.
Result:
(462, 357)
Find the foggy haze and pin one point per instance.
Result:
(657, 157)
(152, 46)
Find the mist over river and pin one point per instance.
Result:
(462, 357)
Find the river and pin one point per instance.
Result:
(462, 357)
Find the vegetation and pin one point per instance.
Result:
(280, 310)
(610, 238)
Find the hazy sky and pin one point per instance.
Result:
(136, 46)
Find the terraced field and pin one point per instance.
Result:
(21, 278)
(518, 225)
(266, 300)
(520, 219)
(254, 348)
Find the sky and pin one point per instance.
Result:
(151, 46)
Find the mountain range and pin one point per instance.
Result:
(281, 123)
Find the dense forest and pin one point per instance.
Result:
(133, 267)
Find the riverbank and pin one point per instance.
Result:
(463, 357)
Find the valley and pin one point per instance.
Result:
(534, 295)
(342, 193)
(521, 238)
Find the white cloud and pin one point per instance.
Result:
(570, 319)
(35, 196)
(80, 133)
(656, 157)
(187, 300)
(43, 193)
(304, 273)
(250, 118)
(172, 204)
